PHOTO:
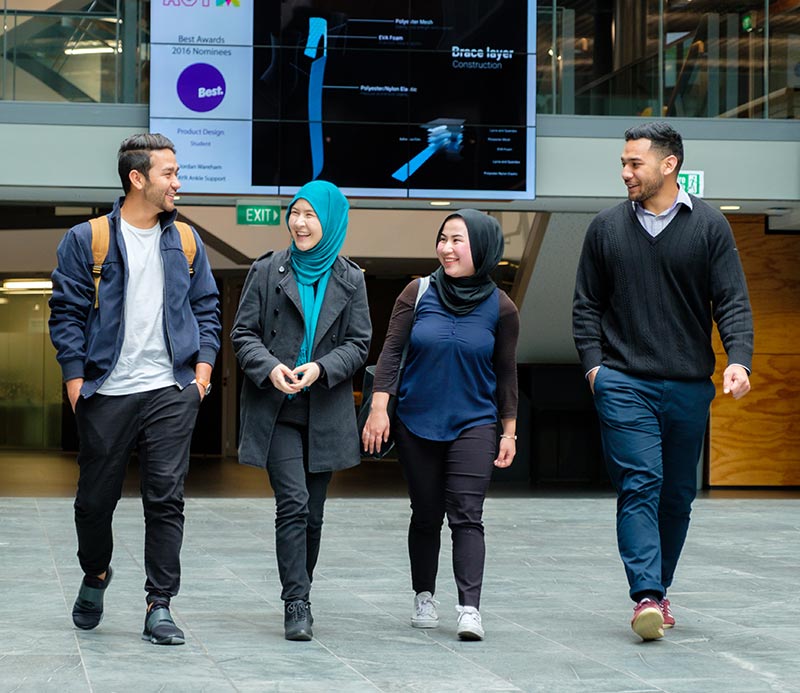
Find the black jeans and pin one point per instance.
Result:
(158, 424)
(448, 477)
(299, 505)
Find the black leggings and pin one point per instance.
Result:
(448, 477)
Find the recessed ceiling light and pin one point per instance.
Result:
(27, 284)
(440, 203)
(730, 208)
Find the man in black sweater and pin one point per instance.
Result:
(654, 272)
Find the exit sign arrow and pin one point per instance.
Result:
(258, 214)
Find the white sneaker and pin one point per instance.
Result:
(425, 615)
(469, 623)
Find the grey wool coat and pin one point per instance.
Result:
(268, 330)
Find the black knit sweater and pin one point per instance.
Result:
(644, 305)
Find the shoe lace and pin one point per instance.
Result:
(665, 606)
(427, 606)
(297, 610)
(468, 613)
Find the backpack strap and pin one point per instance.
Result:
(424, 283)
(188, 242)
(100, 233)
(422, 287)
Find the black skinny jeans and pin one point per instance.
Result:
(158, 424)
(448, 478)
(299, 505)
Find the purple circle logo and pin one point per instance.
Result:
(201, 87)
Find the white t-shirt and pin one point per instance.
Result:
(144, 363)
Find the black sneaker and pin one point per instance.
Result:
(87, 612)
(297, 620)
(159, 628)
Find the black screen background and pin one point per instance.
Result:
(367, 137)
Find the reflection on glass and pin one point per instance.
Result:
(94, 56)
(30, 379)
(686, 58)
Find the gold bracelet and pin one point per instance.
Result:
(504, 435)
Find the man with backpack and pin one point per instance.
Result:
(135, 323)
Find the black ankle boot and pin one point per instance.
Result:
(297, 620)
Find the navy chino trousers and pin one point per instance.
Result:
(652, 432)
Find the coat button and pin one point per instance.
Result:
(281, 269)
(276, 311)
(274, 332)
(333, 337)
(272, 351)
(277, 289)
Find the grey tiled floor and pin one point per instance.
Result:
(554, 604)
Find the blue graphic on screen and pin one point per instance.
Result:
(317, 33)
(443, 134)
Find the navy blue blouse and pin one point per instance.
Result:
(449, 383)
(461, 371)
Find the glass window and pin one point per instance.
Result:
(30, 378)
(784, 61)
(673, 58)
(714, 59)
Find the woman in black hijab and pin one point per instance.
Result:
(455, 393)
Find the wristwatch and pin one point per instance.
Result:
(205, 385)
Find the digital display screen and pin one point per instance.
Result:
(394, 98)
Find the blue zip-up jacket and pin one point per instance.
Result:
(88, 341)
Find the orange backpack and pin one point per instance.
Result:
(100, 234)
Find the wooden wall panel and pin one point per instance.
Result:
(755, 441)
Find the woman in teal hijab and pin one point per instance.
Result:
(301, 331)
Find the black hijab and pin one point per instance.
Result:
(461, 295)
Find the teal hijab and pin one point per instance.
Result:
(313, 267)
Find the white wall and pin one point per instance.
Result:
(577, 159)
(546, 312)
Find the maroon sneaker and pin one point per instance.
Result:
(648, 619)
(669, 619)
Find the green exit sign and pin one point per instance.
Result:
(693, 182)
(258, 214)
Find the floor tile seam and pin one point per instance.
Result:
(423, 633)
(347, 664)
(223, 563)
(442, 645)
(215, 512)
(714, 655)
(206, 653)
(60, 579)
(61, 667)
(596, 660)
(770, 677)
(744, 630)
(382, 564)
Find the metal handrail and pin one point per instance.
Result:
(87, 14)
